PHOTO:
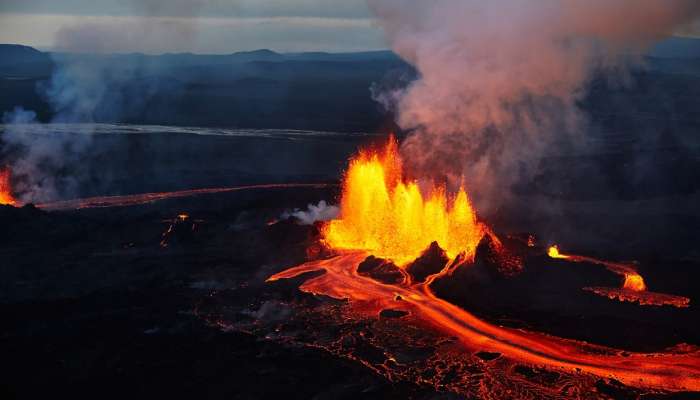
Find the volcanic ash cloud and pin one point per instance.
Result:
(499, 79)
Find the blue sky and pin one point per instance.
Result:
(201, 26)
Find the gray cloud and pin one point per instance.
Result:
(171, 8)
(200, 26)
(214, 35)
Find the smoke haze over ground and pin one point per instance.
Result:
(500, 81)
(47, 165)
(85, 89)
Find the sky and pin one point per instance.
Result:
(198, 26)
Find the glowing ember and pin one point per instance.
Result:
(6, 197)
(180, 228)
(385, 214)
(635, 282)
(553, 252)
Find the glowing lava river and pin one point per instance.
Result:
(633, 290)
(665, 371)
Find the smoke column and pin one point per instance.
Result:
(499, 80)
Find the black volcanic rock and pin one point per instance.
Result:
(493, 261)
(392, 313)
(181, 231)
(380, 270)
(431, 262)
(284, 230)
(499, 259)
(488, 356)
(19, 222)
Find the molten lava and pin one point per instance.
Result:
(553, 252)
(634, 282)
(672, 371)
(387, 215)
(6, 196)
(633, 290)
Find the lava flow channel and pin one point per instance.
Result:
(634, 288)
(145, 198)
(661, 371)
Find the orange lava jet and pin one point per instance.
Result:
(385, 214)
(6, 196)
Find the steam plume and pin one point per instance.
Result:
(499, 80)
(321, 212)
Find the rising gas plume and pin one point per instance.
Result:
(499, 81)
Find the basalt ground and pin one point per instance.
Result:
(95, 305)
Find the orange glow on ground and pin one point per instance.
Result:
(6, 196)
(387, 215)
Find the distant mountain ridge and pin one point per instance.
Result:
(259, 89)
(250, 89)
(19, 53)
(20, 60)
(15, 53)
(677, 47)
